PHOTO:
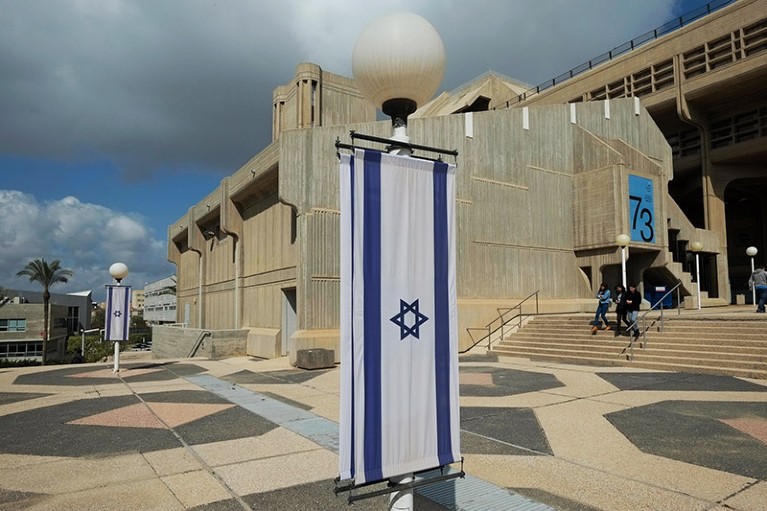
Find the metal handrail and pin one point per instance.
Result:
(489, 327)
(635, 43)
(642, 318)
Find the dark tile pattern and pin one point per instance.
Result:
(693, 432)
(516, 427)
(680, 382)
(46, 431)
(320, 496)
(7, 398)
(508, 382)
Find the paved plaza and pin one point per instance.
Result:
(242, 433)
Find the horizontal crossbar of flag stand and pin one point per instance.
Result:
(393, 488)
(393, 144)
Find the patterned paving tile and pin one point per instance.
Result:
(706, 433)
(495, 423)
(152, 415)
(7, 398)
(680, 382)
(111, 425)
(505, 382)
(756, 427)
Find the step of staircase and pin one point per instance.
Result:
(736, 347)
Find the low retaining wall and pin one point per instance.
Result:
(180, 342)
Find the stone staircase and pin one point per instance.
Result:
(711, 345)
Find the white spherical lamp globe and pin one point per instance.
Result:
(696, 246)
(398, 57)
(118, 271)
(751, 251)
(623, 240)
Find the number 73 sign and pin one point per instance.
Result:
(641, 209)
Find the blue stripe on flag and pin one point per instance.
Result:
(108, 323)
(442, 314)
(126, 312)
(371, 270)
(352, 451)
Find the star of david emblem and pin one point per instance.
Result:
(400, 319)
(117, 314)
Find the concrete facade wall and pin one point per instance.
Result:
(524, 212)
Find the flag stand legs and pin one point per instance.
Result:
(401, 500)
(117, 357)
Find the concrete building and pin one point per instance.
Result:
(22, 323)
(160, 301)
(137, 302)
(705, 86)
(543, 190)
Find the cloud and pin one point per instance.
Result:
(86, 238)
(187, 84)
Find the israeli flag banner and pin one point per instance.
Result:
(399, 315)
(117, 313)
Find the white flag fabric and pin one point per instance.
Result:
(399, 343)
(117, 313)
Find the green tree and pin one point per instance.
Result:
(47, 275)
(97, 318)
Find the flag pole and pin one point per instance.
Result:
(118, 271)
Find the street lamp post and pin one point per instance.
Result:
(398, 63)
(623, 240)
(696, 247)
(751, 252)
(118, 271)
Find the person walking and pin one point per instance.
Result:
(620, 309)
(758, 282)
(633, 301)
(602, 307)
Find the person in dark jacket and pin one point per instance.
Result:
(621, 316)
(758, 281)
(633, 301)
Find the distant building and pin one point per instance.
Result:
(22, 323)
(137, 302)
(159, 301)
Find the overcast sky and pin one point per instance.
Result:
(117, 115)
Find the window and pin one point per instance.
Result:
(23, 349)
(13, 325)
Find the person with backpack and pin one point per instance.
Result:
(621, 314)
(758, 282)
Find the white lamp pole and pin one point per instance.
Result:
(696, 247)
(118, 271)
(623, 240)
(398, 63)
(751, 252)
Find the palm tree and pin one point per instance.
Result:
(47, 275)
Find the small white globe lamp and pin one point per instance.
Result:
(398, 63)
(118, 271)
(623, 240)
(751, 252)
(696, 247)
